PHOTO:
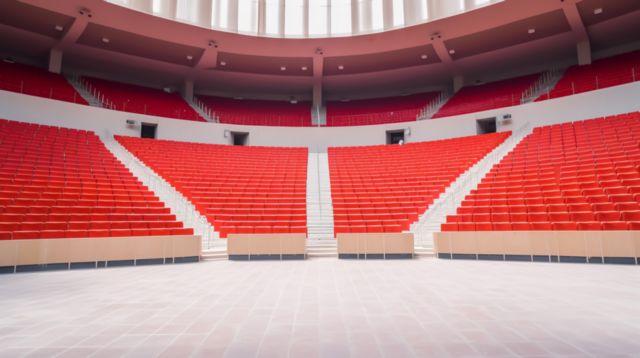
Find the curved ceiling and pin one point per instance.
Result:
(510, 37)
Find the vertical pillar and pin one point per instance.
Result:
(318, 112)
(204, 13)
(262, 17)
(355, 17)
(305, 18)
(168, 8)
(55, 60)
(387, 14)
(187, 89)
(365, 15)
(411, 12)
(432, 9)
(458, 83)
(583, 49)
(281, 18)
(233, 15)
(142, 5)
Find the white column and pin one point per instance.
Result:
(433, 9)
(458, 83)
(583, 49)
(411, 11)
(305, 18)
(55, 60)
(204, 12)
(233, 15)
(168, 8)
(387, 14)
(142, 5)
(469, 4)
(365, 10)
(187, 89)
(355, 18)
(262, 17)
(281, 18)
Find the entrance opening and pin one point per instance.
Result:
(239, 138)
(486, 125)
(148, 130)
(395, 136)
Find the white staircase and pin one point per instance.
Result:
(319, 204)
(448, 202)
(179, 205)
(544, 84)
(202, 110)
(434, 106)
(317, 249)
(217, 251)
(82, 89)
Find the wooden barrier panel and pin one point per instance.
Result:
(563, 246)
(266, 246)
(375, 245)
(42, 254)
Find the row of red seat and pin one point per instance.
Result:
(541, 226)
(378, 110)
(145, 100)
(487, 96)
(38, 82)
(384, 188)
(41, 199)
(258, 112)
(607, 72)
(238, 189)
(538, 186)
(77, 234)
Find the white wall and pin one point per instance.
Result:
(614, 100)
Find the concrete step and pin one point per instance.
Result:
(214, 255)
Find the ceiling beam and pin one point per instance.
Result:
(73, 33)
(442, 51)
(583, 43)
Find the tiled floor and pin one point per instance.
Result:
(324, 307)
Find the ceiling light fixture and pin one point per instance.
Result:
(283, 68)
(106, 40)
(58, 28)
(424, 57)
(452, 52)
(531, 31)
(597, 11)
(304, 68)
(189, 57)
(340, 67)
(223, 63)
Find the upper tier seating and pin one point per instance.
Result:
(39, 82)
(144, 100)
(487, 96)
(244, 190)
(572, 176)
(63, 183)
(378, 110)
(258, 112)
(385, 188)
(608, 72)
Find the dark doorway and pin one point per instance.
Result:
(148, 130)
(239, 138)
(486, 125)
(395, 136)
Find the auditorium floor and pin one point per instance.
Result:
(324, 307)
